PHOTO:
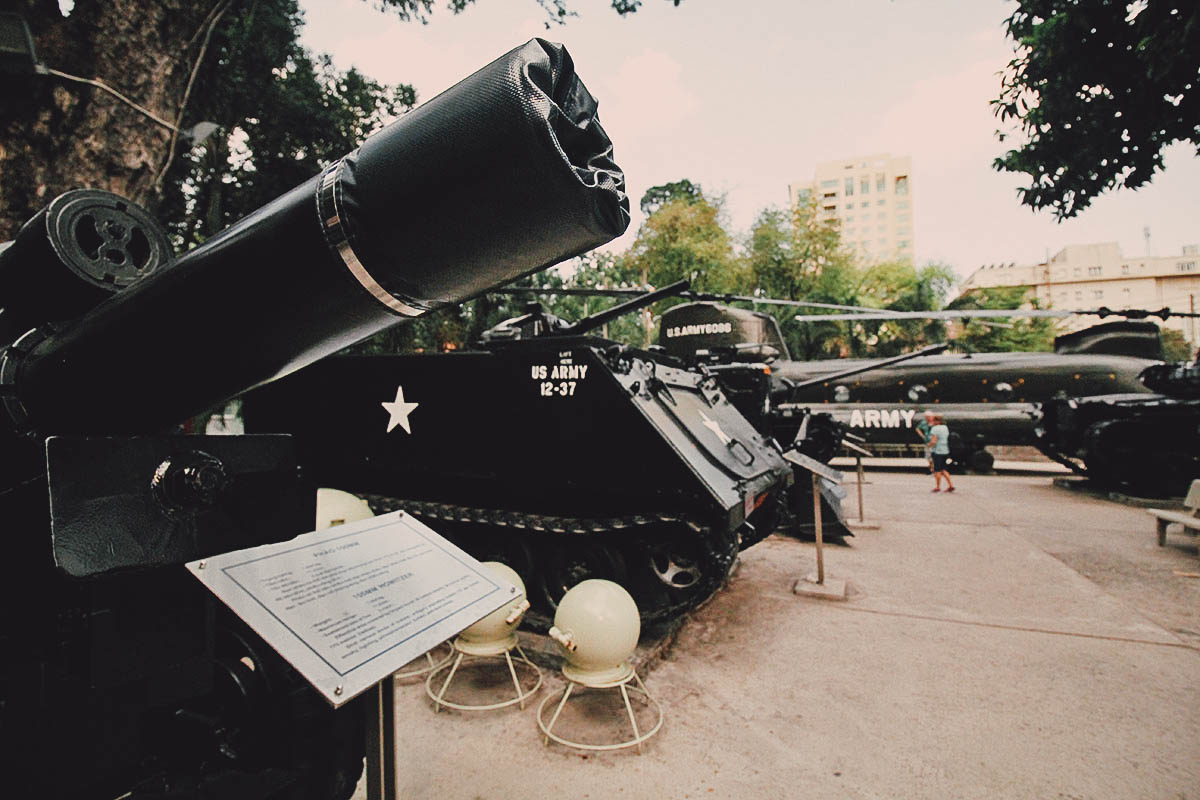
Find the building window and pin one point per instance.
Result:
(904, 244)
(864, 185)
(1062, 296)
(900, 205)
(883, 240)
(1125, 294)
(1186, 266)
(830, 184)
(1124, 269)
(1076, 272)
(1078, 297)
(1098, 294)
(902, 219)
(849, 218)
(880, 181)
(880, 202)
(901, 185)
(1095, 270)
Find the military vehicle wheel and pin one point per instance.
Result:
(671, 574)
(514, 552)
(981, 461)
(563, 566)
(674, 566)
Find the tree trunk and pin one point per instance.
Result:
(57, 134)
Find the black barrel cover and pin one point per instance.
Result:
(503, 174)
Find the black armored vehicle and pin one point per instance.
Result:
(986, 398)
(1144, 443)
(565, 455)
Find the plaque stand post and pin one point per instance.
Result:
(815, 585)
(381, 741)
(861, 524)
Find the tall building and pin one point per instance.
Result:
(1087, 276)
(872, 196)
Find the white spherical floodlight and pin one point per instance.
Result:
(597, 627)
(494, 635)
(335, 507)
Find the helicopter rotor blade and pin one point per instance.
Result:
(856, 312)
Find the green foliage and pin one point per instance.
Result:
(657, 196)
(800, 257)
(1175, 347)
(1002, 335)
(684, 240)
(1097, 89)
(900, 286)
(557, 11)
(283, 115)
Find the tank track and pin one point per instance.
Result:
(669, 562)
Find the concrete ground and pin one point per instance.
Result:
(1011, 640)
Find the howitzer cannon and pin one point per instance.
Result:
(121, 676)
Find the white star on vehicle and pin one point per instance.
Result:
(715, 427)
(399, 411)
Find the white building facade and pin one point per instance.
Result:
(872, 197)
(1089, 276)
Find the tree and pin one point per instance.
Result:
(900, 286)
(657, 196)
(281, 120)
(799, 256)
(1175, 346)
(685, 240)
(181, 62)
(58, 134)
(1097, 89)
(1002, 335)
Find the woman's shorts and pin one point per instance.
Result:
(939, 461)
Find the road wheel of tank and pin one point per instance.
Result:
(571, 560)
(511, 550)
(674, 572)
(981, 461)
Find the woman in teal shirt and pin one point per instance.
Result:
(939, 441)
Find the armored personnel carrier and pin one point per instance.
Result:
(565, 455)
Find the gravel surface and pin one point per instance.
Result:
(1012, 639)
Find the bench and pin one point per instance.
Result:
(1189, 518)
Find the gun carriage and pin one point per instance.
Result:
(122, 676)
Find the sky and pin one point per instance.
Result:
(745, 98)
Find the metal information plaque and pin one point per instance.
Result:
(349, 605)
(813, 466)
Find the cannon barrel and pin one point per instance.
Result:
(621, 309)
(505, 173)
(74, 253)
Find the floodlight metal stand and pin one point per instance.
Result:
(431, 663)
(622, 682)
(483, 650)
